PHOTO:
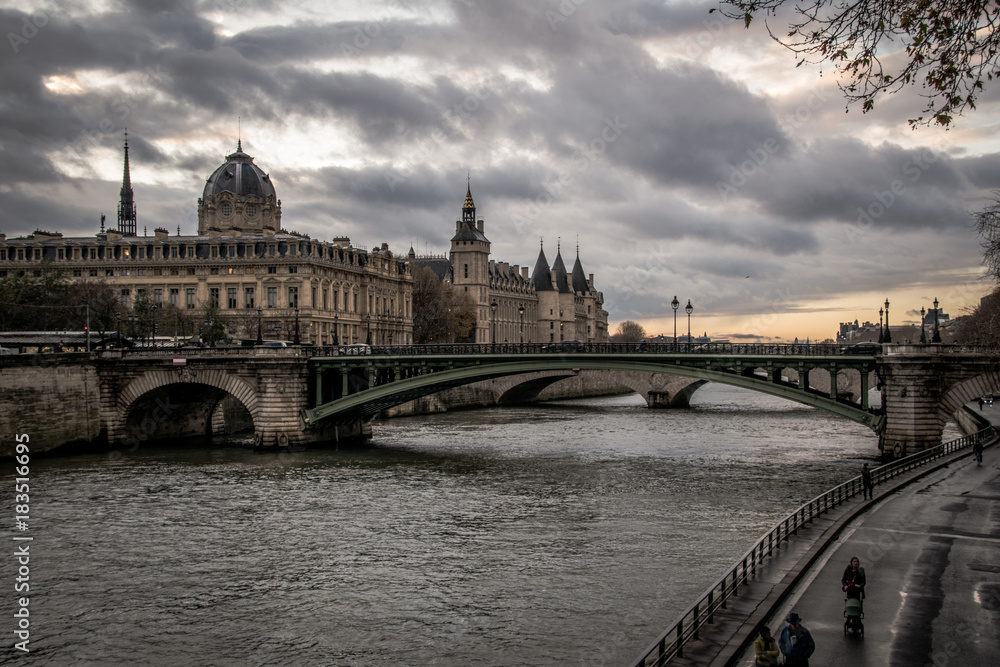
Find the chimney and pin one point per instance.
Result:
(161, 233)
(524, 273)
(479, 225)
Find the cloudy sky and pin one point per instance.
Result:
(684, 154)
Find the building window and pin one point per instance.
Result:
(38, 253)
(325, 295)
(140, 272)
(190, 272)
(272, 269)
(126, 298)
(272, 297)
(313, 302)
(157, 296)
(215, 251)
(249, 270)
(214, 271)
(250, 210)
(157, 272)
(189, 298)
(77, 273)
(248, 297)
(293, 297)
(93, 273)
(226, 209)
(213, 297)
(173, 252)
(109, 272)
(142, 253)
(466, 270)
(93, 254)
(175, 294)
(271, 249)
(175, 272)
(293, 269)
(60, 254)
(126, 272)
(230, 297)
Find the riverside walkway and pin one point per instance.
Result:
(930, 545)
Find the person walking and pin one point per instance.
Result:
(977, 451)
(867, 488)
(853, 582)
(766, 649)
(796, 644)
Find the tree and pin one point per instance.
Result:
(629, 332)
(982, 326)
(440, 314)
(950, 46)
(38, 303)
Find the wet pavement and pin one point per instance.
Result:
(930, 546)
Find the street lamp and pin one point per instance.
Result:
(675, 304)
(211, 331)
(493, 310)
(118, 328)
(923, 330)
(888, 334)
(881, 331)
(153, 317)
(689, 309)
(260, 324)
(336, 332)
(936, 336)
(368, 338)
(296, 340)
(520, 312)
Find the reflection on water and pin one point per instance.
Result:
(568, 533)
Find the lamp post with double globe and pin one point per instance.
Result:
(689, 309)
(936, 338)
(493, 334)
(675, 304)
(520, 312)
(336, 332)
(260, 325)
(888, 334)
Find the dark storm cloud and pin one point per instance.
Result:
(565, 119)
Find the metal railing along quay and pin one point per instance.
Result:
(687, 626)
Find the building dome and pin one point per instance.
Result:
(239, 176)
(239, 196)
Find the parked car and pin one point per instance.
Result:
(868, 347)
(565, 346)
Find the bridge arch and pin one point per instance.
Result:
(365, 404)
(966, 392)
(161, 404)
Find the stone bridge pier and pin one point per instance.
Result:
(926, 385)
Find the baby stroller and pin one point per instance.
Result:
(853, 613)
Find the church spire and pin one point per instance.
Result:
(126, 206)
(469, 207)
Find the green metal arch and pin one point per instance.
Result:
(381, 397)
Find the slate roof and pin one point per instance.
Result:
(240, 176)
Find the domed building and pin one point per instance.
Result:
(239, 197)
(241, 269)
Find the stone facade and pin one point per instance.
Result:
(257, 275)
(549, 305)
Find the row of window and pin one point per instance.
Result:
(232, 300)
(241, 250)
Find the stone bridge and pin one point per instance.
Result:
(299, 396)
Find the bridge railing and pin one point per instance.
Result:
(574, 347)
(687, 626)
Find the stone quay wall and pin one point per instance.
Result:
(53, 398)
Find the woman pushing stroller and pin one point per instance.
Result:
(853, 581)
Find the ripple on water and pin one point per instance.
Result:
(572, 531)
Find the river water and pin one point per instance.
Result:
(565, 533)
